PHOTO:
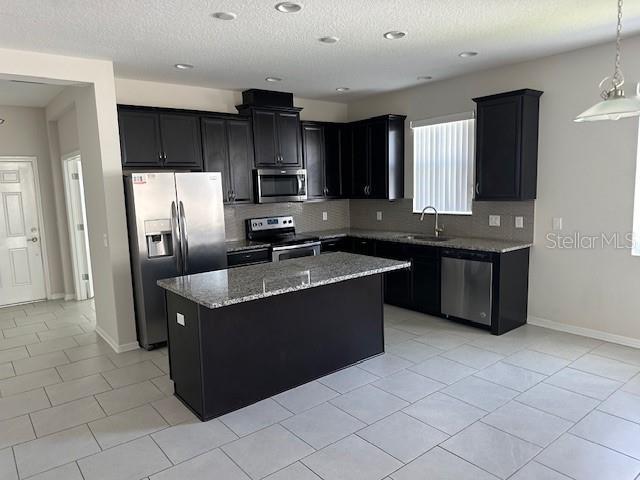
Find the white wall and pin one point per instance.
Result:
(24, 133)
(585, 175)
(95, 104)
(138, 92)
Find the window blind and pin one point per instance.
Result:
(443, 163)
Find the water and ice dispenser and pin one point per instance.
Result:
(159, 238)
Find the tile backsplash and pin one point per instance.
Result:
(308, 216)
(398, 216)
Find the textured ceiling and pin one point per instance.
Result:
(145, 38)
(27, 94)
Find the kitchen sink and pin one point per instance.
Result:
(428, 238)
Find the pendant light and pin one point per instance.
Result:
(614, 105)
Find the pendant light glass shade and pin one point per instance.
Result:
(614, 105)
(613, 108)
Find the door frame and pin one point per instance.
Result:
(33, 160)
(73, 246)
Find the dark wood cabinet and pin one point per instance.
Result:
(362, 246)
(426, 279)
(276, 136)
(397, 285)
(321, 143)
(228, 149)
(155, 138)
(507, 145)
(338, 244)
(242, 258)
(139, 138)
(377, 157)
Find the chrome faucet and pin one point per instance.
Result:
(437, 230)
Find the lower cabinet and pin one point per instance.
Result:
(420, 287)
(248, 257)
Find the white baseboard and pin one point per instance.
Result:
(69, 296)
(585, 332)
(56, 296)
(113, 344)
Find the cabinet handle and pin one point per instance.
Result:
(477, 188)
(365, 189)
(160, 156)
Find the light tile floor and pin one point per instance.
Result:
(445, 402)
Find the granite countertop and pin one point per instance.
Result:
(236, 285)
(240, 245)
(463, 243)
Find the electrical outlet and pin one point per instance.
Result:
(494, 220)
(557, 223)
(325, 217)
(379, 216)
(519, 222)
(180, 319)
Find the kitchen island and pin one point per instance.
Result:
(241, 335)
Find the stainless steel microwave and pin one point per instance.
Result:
(272, 185)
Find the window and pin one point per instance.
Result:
(443, 159)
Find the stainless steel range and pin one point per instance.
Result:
(280, 232)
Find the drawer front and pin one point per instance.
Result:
(339, 244)
(248, 257)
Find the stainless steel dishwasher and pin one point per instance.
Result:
(466, 285)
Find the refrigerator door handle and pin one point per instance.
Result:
(184, 242)
(175, 232)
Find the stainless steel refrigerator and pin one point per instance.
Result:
(176, 227)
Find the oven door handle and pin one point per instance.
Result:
(299, 245)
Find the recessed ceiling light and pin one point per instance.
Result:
(273, 79)
(467, 54)
(224, 15)
(425, 77)
(329, 39)
(288, 7)
(183, 66)
(342, 89)
(394, 35)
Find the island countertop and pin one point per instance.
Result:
(227, 287)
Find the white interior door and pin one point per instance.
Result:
(77, 220)
(21, 266)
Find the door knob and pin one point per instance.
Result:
(34, 239)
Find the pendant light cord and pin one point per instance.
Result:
(618, 80)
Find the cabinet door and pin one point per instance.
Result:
(181, 142)
(363, 246)
(346, 160)
(240, 159)
(288, 127)
(498, 149)
(378, 158)
(139, 139)
(397, 284)
(332, 161)
(360, 162)
(426, 284)
(265, 137)
(312, 141)
(216, 156)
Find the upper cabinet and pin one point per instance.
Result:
(276, 136)
(377, 157)
(153, 138)
(277, 140)
(321, 143)
(507, 145)
(227, 148)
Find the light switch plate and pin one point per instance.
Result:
(180, 319)
(379, 216)
(494, 220)
(325, 217)
(557, 223)
(519, 222)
